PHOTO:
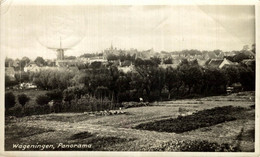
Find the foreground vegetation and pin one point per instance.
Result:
(117, 133)
(197, 120)
(196, 146)
(91, 141)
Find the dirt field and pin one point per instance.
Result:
(114, 132)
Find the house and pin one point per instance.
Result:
(127, 69)
(220, 63)
(248, 62)
(201, 62)
(214, 55)
(31, 67)
(164, 66)
(66, 63)
(249, 54)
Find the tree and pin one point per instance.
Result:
(149, 79)
(96, 65)
(232, 74)
(253, 48)
(156, 60)
(168, 61)
(122, 56)
(39, 61)
(241, 56)
(112, 57)
(9, 62)
(247, 78)
(9, 82)
(52, 79)
(42, 100)
(147, 62)
(158, 80)
(183, 62)
(55, 94)
(172, 80)
(245, 48)
(23, 99)
(214, 81)
(70, 57)
(9, 100)
(191, 74)
(22, 76)
(139, 62)
(24, 61)
(217, 52)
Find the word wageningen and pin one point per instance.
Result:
(51, 146)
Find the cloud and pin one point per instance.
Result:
(31, 29)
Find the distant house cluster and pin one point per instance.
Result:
(124, 60)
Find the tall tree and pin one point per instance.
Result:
(9, 62)
(172, 80)
(24, 61)
(253, 48)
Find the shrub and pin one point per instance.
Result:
(23, 99)
(14, 111)
(42, 100)
(9, 100)
(73, 93)
(58, 106)
(88, 103)
(197, 120)
(9, 82)
(134, 104)
(83, 104)
(252, 106)
(55, 94)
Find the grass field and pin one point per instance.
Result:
(117, 133)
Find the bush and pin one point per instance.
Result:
(197, 120)
(134, 104)
(9, 100)
(42, 100)
(81, 105)
(73, 93)
(88, 103)
(252, 106)
(55, 94)
(9, 82)
(23, 99)
(14, 111)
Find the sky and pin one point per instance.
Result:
(31, 31)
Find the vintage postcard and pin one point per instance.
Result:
(129, 78)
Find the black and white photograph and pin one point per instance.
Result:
(125, 77)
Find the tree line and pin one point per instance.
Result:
(104, 87)
(148, 80)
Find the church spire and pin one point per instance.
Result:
(111, 47)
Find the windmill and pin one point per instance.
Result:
(60, 53)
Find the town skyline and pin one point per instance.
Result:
(127, 50)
